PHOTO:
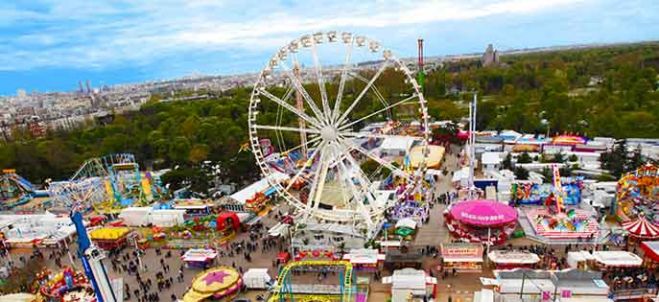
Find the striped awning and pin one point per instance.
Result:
(641, 228)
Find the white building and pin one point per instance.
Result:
(491, 161)
(410, 284)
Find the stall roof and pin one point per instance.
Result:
(108, 233)
(397, 143)
(409, 278)
(364, 256)
(406, 223)
(260, 186)
(195, 255)
(491, 158)
(618, 258)
(432, 159)
(513, 257)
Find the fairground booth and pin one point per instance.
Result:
(463, 257)
(222, 283)
(504, 259)
(481, 221)
(409, 284)
(108, 238)
(610, 260)
(651, 254)
(254, 197)
(369, 260)
(199, 258)
(228, 224)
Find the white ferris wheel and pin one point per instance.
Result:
(338, 116)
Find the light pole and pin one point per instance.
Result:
(546, 123)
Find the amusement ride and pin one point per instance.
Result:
(319, 120)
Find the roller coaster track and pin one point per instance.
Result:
(284, 289)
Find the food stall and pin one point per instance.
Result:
(581, 260)
(606, 260)
(199, 258)
(108, 238)
(504, 259)
(463, 257)
(365, 259)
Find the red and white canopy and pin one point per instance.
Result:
(641, 228)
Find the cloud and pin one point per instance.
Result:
(102, 34)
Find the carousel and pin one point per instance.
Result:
(481, 221)
(65, 286)
(638, 192)
(108, 238)
(641, 229)
(222, 283)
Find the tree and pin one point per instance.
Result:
(573, 158)
(547, 175)
(559, 157)
(507, 162)
(636, 160)
(521, 173)
(615, 161)
(198, 153)
(524, 158)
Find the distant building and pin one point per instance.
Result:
(490, 57)
(21, 93)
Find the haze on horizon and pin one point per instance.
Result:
(50, 45)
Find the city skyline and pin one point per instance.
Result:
(50, 46)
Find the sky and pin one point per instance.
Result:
(50, 45)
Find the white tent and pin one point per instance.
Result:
(135, 216)
(396, 146)
(617, 259)
(139, 216)
(406, 223)
(579, 257)
(260, 186)
(48, 228)
(408, 281)
(257, 278)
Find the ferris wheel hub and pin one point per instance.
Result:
(329, 133)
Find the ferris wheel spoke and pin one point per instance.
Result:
(311, 141)
(320, 79)
(309, 161)
(316, 179)
(300, 89)
(363, 92)
(376, 91)
(401, 102)
(289, 107)
(342, 81)
(377, 159)
(322, 179)
(357, 193)
(284, 128)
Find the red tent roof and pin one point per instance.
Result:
(642, 228)
(651, 249)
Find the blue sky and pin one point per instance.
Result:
(48, 45)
